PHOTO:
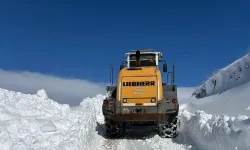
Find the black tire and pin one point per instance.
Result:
(114, 129)
(169, 130)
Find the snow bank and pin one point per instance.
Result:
(207, 131)
(36, 122)
(218, 121)
(231, 76)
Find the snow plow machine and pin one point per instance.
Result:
(140, 98)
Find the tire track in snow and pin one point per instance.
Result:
(129, 142)
(134, 139)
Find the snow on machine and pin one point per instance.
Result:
(140, 98)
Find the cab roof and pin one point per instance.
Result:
(143, 51)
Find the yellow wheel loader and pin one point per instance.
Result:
(140, 98)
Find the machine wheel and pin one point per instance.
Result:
(114, 129)
(169, 130)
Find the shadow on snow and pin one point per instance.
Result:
(132, 134)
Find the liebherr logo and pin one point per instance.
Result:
(141, 83)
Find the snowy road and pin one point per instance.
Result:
(134, 139)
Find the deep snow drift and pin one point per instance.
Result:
(36, 122)
(233, 75)
(205, 131)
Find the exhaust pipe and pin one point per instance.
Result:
(137, 55)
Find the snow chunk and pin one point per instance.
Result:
(41, 93)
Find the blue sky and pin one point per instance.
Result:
(80, 39)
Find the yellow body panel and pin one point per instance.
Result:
(133, 90)
(139, 86)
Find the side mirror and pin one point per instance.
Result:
(165, 68)
(121, 66)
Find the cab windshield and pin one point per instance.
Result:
(145, 60)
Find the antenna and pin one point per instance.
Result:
(111, 74)
(168, 77)
(173, 75)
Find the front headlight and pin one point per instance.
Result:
(124, 100)
(153, 100)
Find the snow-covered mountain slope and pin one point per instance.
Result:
(232, 102)
(233, 75)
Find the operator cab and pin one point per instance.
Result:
(147, 58)
(143, 58)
